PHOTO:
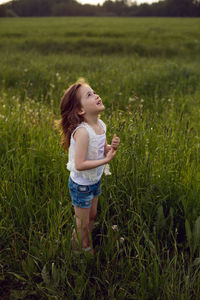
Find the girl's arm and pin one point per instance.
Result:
(81, 137)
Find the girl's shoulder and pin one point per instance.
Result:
(81, 132)
(80, 129)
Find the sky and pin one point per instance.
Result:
(101, 1)
(98, 1)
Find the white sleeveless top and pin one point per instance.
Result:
(95, 152)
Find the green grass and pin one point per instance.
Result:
(147, 72)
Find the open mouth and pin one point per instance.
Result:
(99, 102)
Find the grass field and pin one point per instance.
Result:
(147, 71)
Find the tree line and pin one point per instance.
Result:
(163, 8)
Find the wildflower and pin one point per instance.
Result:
(115, 228)
(58, 76)
(142, 100)
(122, 240)
(131, 99)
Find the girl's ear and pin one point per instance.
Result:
(81, 112)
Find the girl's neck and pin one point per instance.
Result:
(95, 124)
(91, 120)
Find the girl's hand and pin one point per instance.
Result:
(107, 148)
(110, 155)
(115, 142)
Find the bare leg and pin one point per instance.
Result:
(82, 223)
(93, 212)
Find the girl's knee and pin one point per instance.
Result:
(82, 224)
(93, 214)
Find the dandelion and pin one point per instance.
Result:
(58, 76)
(169, 100)
(131, 99)
(142, 100)
(52, 85)
(115, 228)
(121, 240)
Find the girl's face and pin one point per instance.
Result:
(91, 102)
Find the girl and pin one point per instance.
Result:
(84, 135)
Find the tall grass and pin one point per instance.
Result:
(152, 102)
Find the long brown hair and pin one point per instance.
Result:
(70, 105)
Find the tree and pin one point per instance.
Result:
(180, 8)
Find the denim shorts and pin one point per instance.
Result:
(82, 195)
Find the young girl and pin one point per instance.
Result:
(84, 135)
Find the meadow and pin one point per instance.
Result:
(147, 232)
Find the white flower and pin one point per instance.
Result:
(121, 239)
(115, 227)
(131, 99)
